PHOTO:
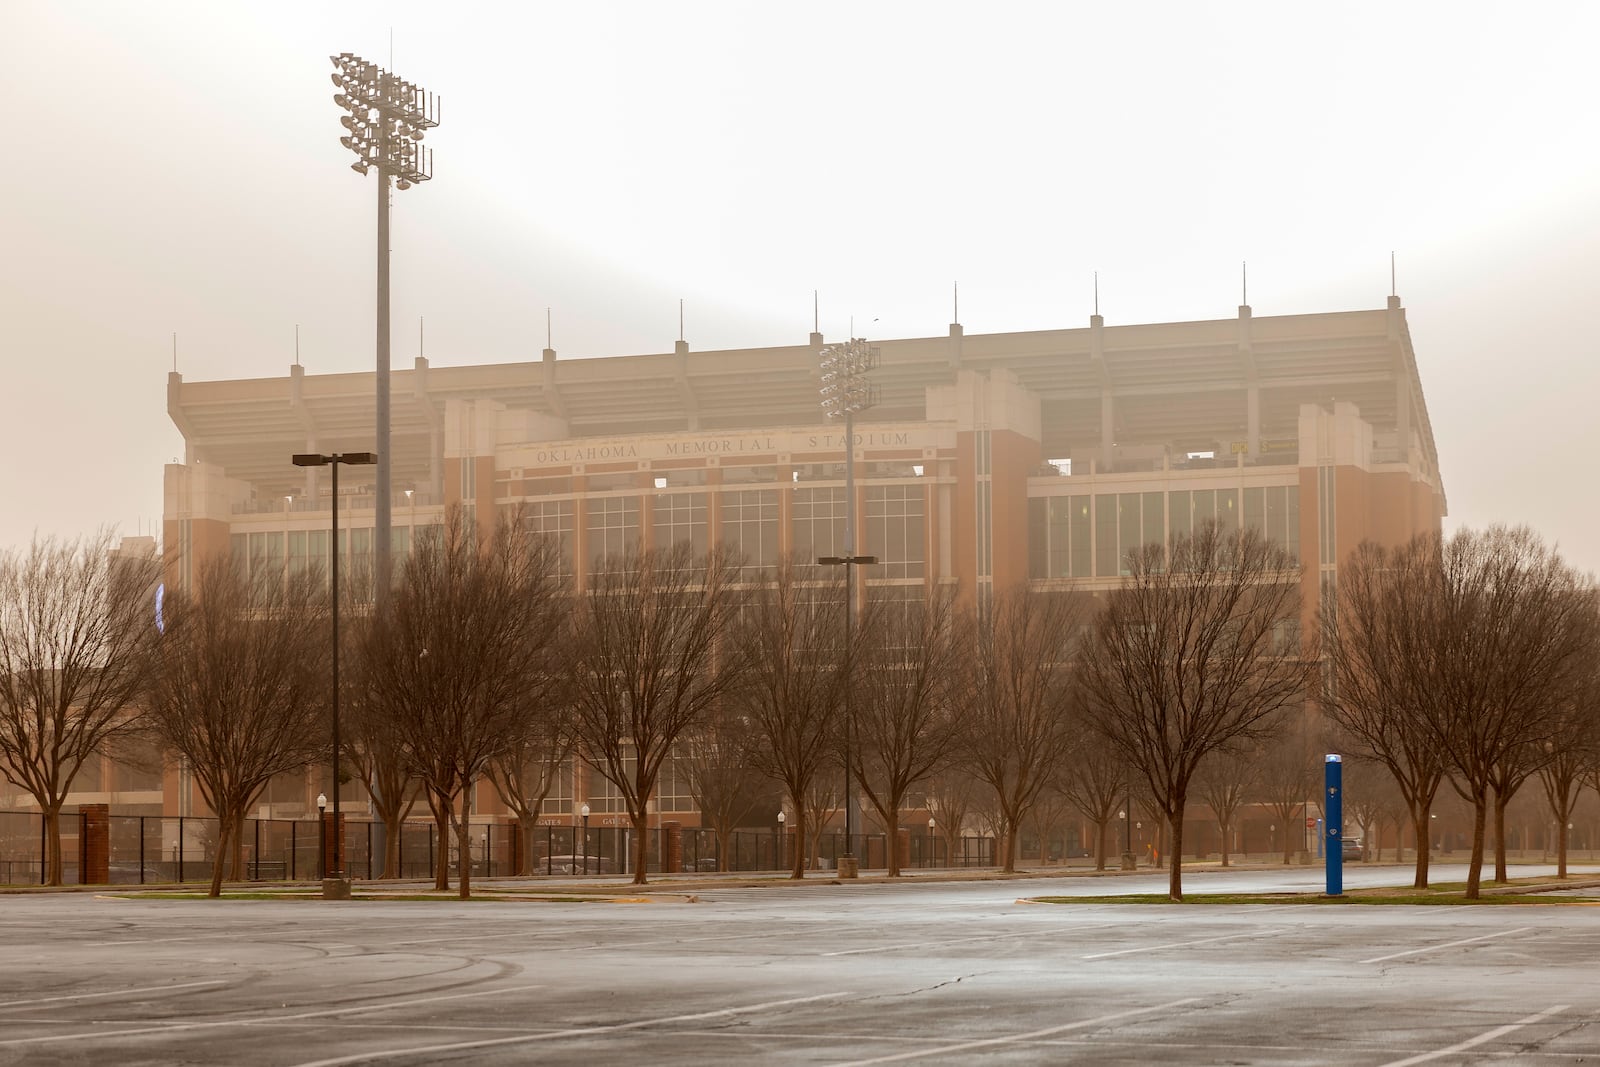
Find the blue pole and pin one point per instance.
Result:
(1333, 807)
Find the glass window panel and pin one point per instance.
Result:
(1129, 531)
(1291, 521)
(1105, 535)
(1178, 506)
(1228, 509)
(1154, 522)
(1205, 506)
(1039, 529)
(1082, 539)
(1254, 510)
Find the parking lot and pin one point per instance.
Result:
(855, 973)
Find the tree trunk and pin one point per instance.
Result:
(1480, 816)
(441, 821)
(1500, 873)
(1223, 829)
(464, 854)
(530, 827)
(393, 827)
(1008, 857)
(1100, 844)
(724, 855)
(1561, 849)
(52, 843)
(641, 849)
(798, 867)
(1175, 857)
(1420, 818)
(225, 824)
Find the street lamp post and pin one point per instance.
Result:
(932, 848)
(845, 390)
(584, 811)
(386, 120)
(778, 859)
(341, 888)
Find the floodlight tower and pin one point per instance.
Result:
(845, 391)
(387, 116)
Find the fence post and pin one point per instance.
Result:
(180, 848)
(294, 848)
(94, 844)
(256, 852)
(141, 850)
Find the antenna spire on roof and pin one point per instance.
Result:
(547, 343)
(297, 344)
(1244, 283)
(174, 353)
(680, 318)
(816, 314)
(1392, 290)
(419, 337)
(1097, 292)
(955, 292)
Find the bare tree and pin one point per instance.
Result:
(791, 636)
(823, 801)
(379, 760)
(905, 720)
(1095, 781)
(719, 754)
(648, 664)
(950, 798)
(1225, 780)
(464, 658)
(1571, 754)
(1375, 683)
(77, 637)
(1014, 693)
(1506, 642)
(530, 765)
(1371, 798)
(1192, 653)
(241, 687)
(1288, 778)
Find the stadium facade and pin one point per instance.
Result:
(986, 460)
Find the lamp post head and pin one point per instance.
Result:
(322, 802)
(930, 822)
(310, 459)
(584, 811)
(781, 818)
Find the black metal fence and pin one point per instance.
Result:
(150, 849)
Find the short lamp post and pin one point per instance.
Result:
(584, 812)
(778, 859)
(933, 848)
(334, 460)
(322, 835)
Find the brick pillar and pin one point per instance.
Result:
(671, 848)
(333, 844)
(902, 847)
(94, 844)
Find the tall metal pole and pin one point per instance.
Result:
(381, 519)
(338, 837)
(849, 619)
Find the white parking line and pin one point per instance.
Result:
(1027, 934)
(945, 1050)
(1447, 944)
(1171, 944)
(108, 993)
(175, 1028)
(365, 1057)
(1488, 1035)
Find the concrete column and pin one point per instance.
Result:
(94, 844)
(333, 843)
(671, 847)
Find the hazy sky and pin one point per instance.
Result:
(175, 167)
